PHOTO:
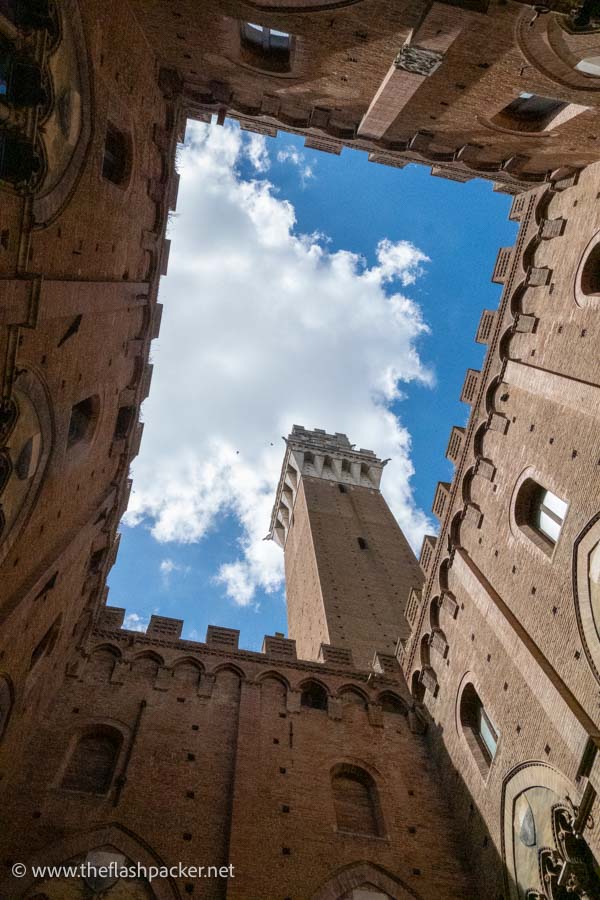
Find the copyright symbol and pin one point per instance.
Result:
(19, 870)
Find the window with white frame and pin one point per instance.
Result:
(266, 48)
(540, 514)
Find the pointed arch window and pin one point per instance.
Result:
(92, 763)
(479, 729)
(314, 696)
(355, 800)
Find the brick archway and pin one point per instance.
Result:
(75, 845)
(364, 873)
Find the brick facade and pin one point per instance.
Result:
(425, 733)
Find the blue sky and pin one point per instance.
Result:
(282, 301)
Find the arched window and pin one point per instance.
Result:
(83, 418)
(266, 48)
(529, 112)
(417, 687)
(92, 764)
(393, 705)
(273, 694)
(355, 801)
(314, 696)
(100, 665)
(540, 514)
(27, 461)
(187, 675)
(116, 158)
(353, 698)
(478, 728)
(589, 280)
(590, 65)
(144, 668)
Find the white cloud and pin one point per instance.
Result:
(257, 153)
(168, 566)
(134, 622)
(295, 157)
(264, 327)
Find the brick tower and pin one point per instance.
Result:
(348, 566)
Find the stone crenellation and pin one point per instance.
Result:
(428, 729)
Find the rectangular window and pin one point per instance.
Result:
(487, 732)
(551, 512)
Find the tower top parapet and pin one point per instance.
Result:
(317, 454)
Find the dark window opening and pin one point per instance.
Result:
(314, 696)
(92, 763)
(115, 162)
(19, 161)
(341, 488)
(96, 560)
(530, 112)
(83, 418)
(266, 48)
(20, 80)
(393, 705)
(362, 543)
(124, 421)
(590, 276)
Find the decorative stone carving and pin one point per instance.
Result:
(418, 60)
(569, 870)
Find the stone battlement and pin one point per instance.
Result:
(163, 631)
(317, 454)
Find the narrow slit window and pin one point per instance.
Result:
(362, 543)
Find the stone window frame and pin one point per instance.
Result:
(505, 123)
(302, 688)
(590, 258)
(77, 439)
(589, 628)
(481, 758)
(86, 728)
(263, 48)
(360, 773)
(520, 525)
(36, 392)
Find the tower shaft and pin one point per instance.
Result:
(348, 566)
